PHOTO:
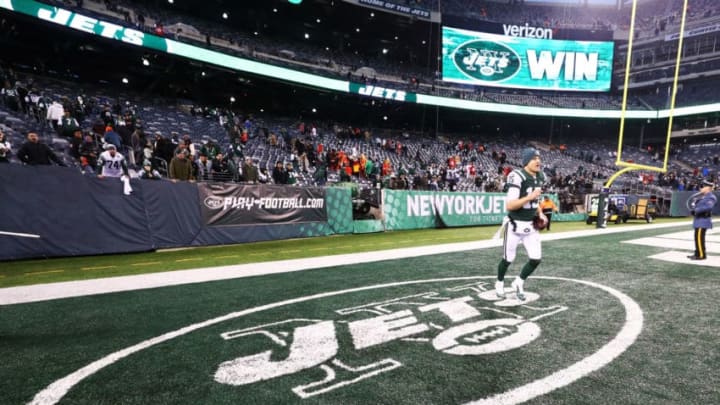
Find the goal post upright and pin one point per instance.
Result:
(625, 166)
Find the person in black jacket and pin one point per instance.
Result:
(279, 174)
(33, 152)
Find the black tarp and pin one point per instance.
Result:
(173, 212)
(77, 215)
(73, 214)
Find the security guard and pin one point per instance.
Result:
(702, 220)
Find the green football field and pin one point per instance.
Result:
(612, 317)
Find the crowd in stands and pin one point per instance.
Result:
(166, 139)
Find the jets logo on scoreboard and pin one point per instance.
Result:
(487, 60)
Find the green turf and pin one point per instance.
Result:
(674, 360)
(27, 272)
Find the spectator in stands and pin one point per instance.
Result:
(148, 173)
(164, 149)
(106, 116)
(220, 168)
(180, 168)
(203, 168)
(187, 140)
(290, 173)
(10, 97)
(33, 152)
(88, 154)
(5, 149)
(38, 105)
(112, 137)
(182, 148)
(67, 125)
(250, 172)
(75, 142)
(148, 151)
(320, 175)
(263, 176)
(210, 149)
(279, 175)
(236, 151)
(55, 113)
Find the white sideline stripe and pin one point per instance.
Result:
(681, 257)
(45, 292)
(710, 236)
(624, 339)
(687, 244)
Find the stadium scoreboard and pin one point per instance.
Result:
(479, 58)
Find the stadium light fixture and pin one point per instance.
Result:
(232, 99)
(384, 51)
(274, 10)
(357, 29)
(314, 110)
(307, 36)
(225, 16)
(372, 15)
(318, 21)
(125, 80)
(171, 1)
(385, 117)
(145, 61)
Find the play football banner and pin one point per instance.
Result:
(235, 204)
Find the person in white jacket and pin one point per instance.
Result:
(55, 113)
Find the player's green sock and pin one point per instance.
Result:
(502, 269)
(528, 268)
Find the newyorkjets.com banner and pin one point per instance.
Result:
(234, 204)
(506, 61)
(426, 209)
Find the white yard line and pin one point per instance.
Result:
(45, 292)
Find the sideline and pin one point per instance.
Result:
(69, 289)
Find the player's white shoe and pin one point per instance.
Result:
(500, 289)
(517, 285)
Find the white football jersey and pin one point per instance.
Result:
(112, 166)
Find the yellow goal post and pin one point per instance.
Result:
(629, 166)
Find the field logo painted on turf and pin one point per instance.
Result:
(456, 321)
(436, 321)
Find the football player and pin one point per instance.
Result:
(525, 219)
(112, 164)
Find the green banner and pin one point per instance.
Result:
(368, 226)
(425, 209)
